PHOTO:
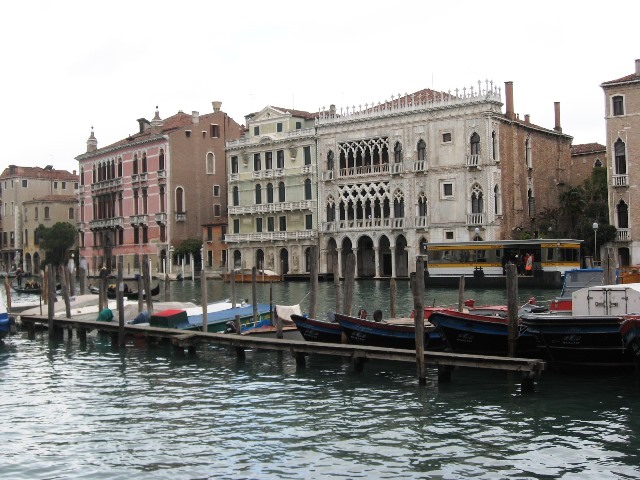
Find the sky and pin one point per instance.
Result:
(68, 66)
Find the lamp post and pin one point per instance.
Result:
(595, 240)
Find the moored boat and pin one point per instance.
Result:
(316, 330)
(393, 333)
(246, 276)
(135, 295)
(6, 321)
(28, 288)
(574, 280)
(630, 332)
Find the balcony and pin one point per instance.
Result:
(80, 226)
(106, 185)
(420, 166)
(161, 218)
(245, 141)
(107, 223)
(181, 217)
(234, 177)
(139, 220)
(306, 169)
(162, 177)
(474, 161)
(269, 236)
(328, 226)
(475, 219)
(421, 222)
(623, 235)
(620, 180)
(327, 175)
(396, 168)
(272, 207)
(135, 178)
(380, 168)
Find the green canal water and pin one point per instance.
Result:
(95, 412)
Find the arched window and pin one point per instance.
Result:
(531, 203)
(35, 214)
(257, 162)
(422, 150)
(180, 200)
(210, 163)
(269, 192)
(46, 213)
(119, 166)
(330, 160)
(475, 144)
(236, 196)
(237, 259)
(476, 199)
(397, 152)
(307, 189)
(422, 205)
(398, 204)
(494, 145)
(161, 160)
(144, 162)
(258, 194)
(281, 192)
(597, 163)
(135, 164)
(81, 175)
(622, 214)
(527, 153)
(331, 209)
(620, 157)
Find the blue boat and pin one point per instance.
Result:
(6, 321)
(316, 330)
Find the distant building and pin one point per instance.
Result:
(150, 191)
(622, 114)
(215, 247)
(273, 192)
(29, 195)
(584, 158)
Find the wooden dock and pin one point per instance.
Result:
(530, 369)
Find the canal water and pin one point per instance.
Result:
(95, 412)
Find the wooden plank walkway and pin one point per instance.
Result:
(445, 361)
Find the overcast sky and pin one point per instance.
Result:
(71, 65)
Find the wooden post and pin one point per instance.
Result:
(51, 298)
(313, 274)
(7, 289)
(147, 283)
(65, 290)
(45, 286)
(275, 317)
(336, 281)
(103, 290)
(512, 307)
(166, 285)
(233, 288)
(140, 286)
(238, 327)
(120, 301)
(83, 276)
(203, 299)
(254, 293)
(461, 294)
(393, 293)
(349, 279)
(418, 306)
(82, 335)
(42, 290)
(609, 267)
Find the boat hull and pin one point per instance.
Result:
(382, 334)
(630, 332)
(314, 330)
(572, 341)
(482, 335)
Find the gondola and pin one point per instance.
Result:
(134, 295)
(36, 290)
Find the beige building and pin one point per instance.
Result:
(584, 158)
(622, 115)
(26, 184)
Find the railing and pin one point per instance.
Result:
(620, 180)
(623, 235)
(365, 170)
(475, 219)
(328, 226)
(474, 161)
(268, 236)
(106, 223)
(278, 172)
(396, 168)
(306, 169)
(420, 166)
(144, 176)
(161, 218)
(327, 175)
(106, 184)
(135, 178)
(162, 174)
(139, 219)
(80, 226)
(234, 177)
(181, 217)
(271, 207)
(421, 222)
(302, 132)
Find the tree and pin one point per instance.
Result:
(56, 242)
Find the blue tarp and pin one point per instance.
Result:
(227, 315)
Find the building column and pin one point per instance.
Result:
(393, 260)
(376, 256)
(339, 253)
(355, 253)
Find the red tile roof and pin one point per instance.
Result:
(39, 173)
(54, 198)
(584, 148)
(628, 78)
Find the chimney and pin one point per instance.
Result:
(92, 142)
(216, 106)
(143, 125)
(332, 110)
(527, 118)
(74, 172)
(556, 107)
(195, 116)
(637, 67)
(156, 123)
(508, 92)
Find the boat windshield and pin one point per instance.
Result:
(577, 279)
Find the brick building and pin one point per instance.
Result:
(622, 116)
(150, 191)
(584, 158)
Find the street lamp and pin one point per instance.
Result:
(595, 240)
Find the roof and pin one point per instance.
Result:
(292, 111)
(54, 198)
(38, 173)
(626, 79)
(585, 148)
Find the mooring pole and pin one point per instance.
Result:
(461, 294)
(393, 293)
(120, 301)
(512, 307)
(51, 298)
(146, 275)
(336, 281)
(418, 306)
(203, 299)
(349, 279)
(313, 274)
(254, 293)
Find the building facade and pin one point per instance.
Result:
(29, 195)
(273, 192)
(584, 158)
(622, 119)
(147, 193)
(431, 167)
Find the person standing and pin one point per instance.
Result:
(528, 264)
(19, 276)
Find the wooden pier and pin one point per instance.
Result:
(530, 369)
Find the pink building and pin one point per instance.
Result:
(148, 192)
